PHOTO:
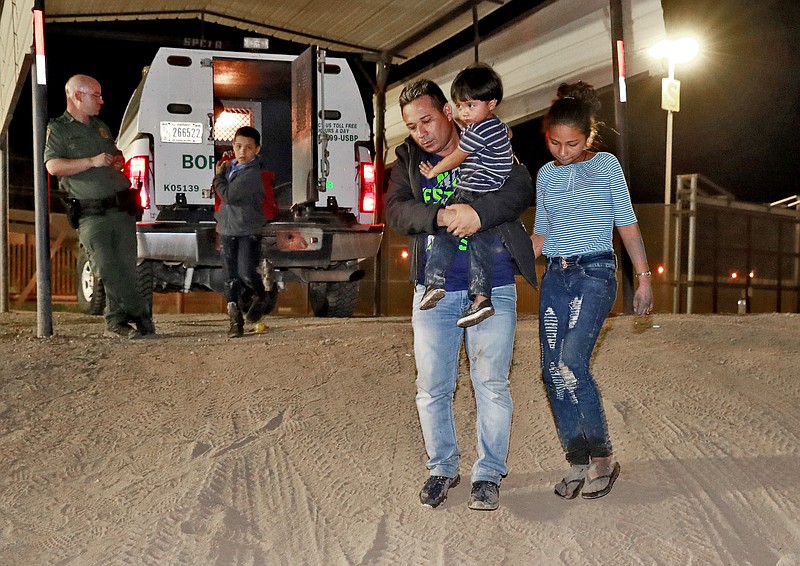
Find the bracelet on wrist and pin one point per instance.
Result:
(647, 273)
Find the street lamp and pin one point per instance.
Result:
(675, 52)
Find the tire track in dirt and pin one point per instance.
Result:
(698, 462)
(302, 445)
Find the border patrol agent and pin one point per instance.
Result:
(81, 152)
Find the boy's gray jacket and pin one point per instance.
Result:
(241, 212)
(407, 213)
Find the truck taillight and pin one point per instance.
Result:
(368, 196)
(136, 169)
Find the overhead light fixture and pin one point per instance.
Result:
(256, 43)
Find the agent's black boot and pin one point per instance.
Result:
(145, 326)
(236, 329)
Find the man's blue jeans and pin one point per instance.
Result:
(489, 346)
(576, 295)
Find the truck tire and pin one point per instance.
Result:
(88, 288)
(336, 299)
(145, 283)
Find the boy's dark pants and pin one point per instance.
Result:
(240, 256)
(479, 250)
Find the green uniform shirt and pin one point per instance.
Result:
(69, 138)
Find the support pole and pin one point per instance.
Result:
(671, 274)
(381, 80)
(668, 199)
(44, 292)
(621, 124)
(476, 35)
(692, 245)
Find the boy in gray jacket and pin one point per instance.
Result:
(240, 220)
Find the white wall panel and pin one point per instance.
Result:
(16, 41)
(565, 41)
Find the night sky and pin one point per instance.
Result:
(740, 104)
(740, 99)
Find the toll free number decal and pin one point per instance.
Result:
(181, 132)
(341, 132)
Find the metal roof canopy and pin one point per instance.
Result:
(404, 29)
(389, 30)
(386, 30)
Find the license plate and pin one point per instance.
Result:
(181, 132)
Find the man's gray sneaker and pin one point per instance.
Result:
(121, 331)
(485, 496)
(434, 492)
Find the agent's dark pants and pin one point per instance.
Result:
(240, 256)
(110, 239)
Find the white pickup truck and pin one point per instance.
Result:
(313, 123)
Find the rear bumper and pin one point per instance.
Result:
(285, 244)
(289, 244)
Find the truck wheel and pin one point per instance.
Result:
(145, 283)
(337, 299)
(88, 288)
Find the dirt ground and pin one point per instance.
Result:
(300, 445)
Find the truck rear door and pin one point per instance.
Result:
(184, 139)
(305, 130)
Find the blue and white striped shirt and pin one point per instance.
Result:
(489, 161)
(578, 205)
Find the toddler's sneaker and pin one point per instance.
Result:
(432, 296)
(477, 312)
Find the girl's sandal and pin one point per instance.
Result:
(600, 480)
(570, 486)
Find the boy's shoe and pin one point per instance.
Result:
(434, 492)
(485, 496)
(432, 296)
(477, 312)
(121, 331)
(236, 328)
(246, 300)
(257, 309)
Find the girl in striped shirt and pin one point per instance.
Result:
(580, 197)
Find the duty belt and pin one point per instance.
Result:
(95, 206)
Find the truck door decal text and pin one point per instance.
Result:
(341, 132)
(181, 188)
(197, 161)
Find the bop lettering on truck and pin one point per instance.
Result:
(197, 161)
